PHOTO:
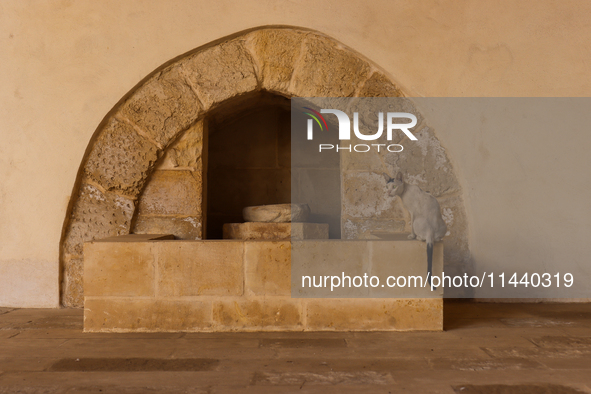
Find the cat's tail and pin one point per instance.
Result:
(430, 260)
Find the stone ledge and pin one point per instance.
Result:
(251, 231)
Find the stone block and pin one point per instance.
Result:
(133, 314)
(324, 70)
(319, 258)
(378, 85)
(267, 267)
(365, 196)
(277, 213)
(456, 239)
(171, 192)
(256, 315)
(275, 52)
(309, 230)
(425, 163)
(96, 215)
(73, 281)
(200, 268)
(374, 314)
(120, 159)
(163, 106)
(363, 228)
(251, 231)
(221, 72)
(185, 227)
(119, 269)
(362, 161)
(407, 258)
(186, 151)
(138, 238)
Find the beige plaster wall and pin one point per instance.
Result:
(65, 64)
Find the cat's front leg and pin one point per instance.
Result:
(412, 228)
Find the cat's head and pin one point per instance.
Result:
(395, 186)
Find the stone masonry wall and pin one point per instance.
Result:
(172, 201)
(286, 61)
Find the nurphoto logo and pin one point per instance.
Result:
(344, 123)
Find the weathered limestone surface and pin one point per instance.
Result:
(172, 201)
(94, 215)
(408, 259)
(267, 267)
(329, 257)
(365, 197)
(251, 315)
(183, 227)
(327, 70)
(251, 231)
(97, 215)
(363, 228)
(171, 193)
(221, 72)
(121, 159)
(119, 314)
(164, 106)
(119, 269)
(374, 314)
(185, 152)
(200, 268)
(378, 85)
(277, 213)
(276, 52)
(425, 163)
(73, 281)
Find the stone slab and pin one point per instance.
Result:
(129, 314)
(180, 227)
(277, 213)
(267, 267)
(275, 231)
(254, 315)
(375, 314)
(213, 268)
(119, 269)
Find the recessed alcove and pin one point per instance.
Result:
(248, 158)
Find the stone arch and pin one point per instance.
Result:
(287, 61)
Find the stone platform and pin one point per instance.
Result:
(145, 284)
(275, 231)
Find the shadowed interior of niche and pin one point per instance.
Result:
(250, 162)
(248, 158)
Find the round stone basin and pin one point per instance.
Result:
(277, 213)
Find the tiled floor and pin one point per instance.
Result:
(486, 348)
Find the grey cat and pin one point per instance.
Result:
(426, 222)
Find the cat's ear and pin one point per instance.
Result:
(387, 177)
(399, 176)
